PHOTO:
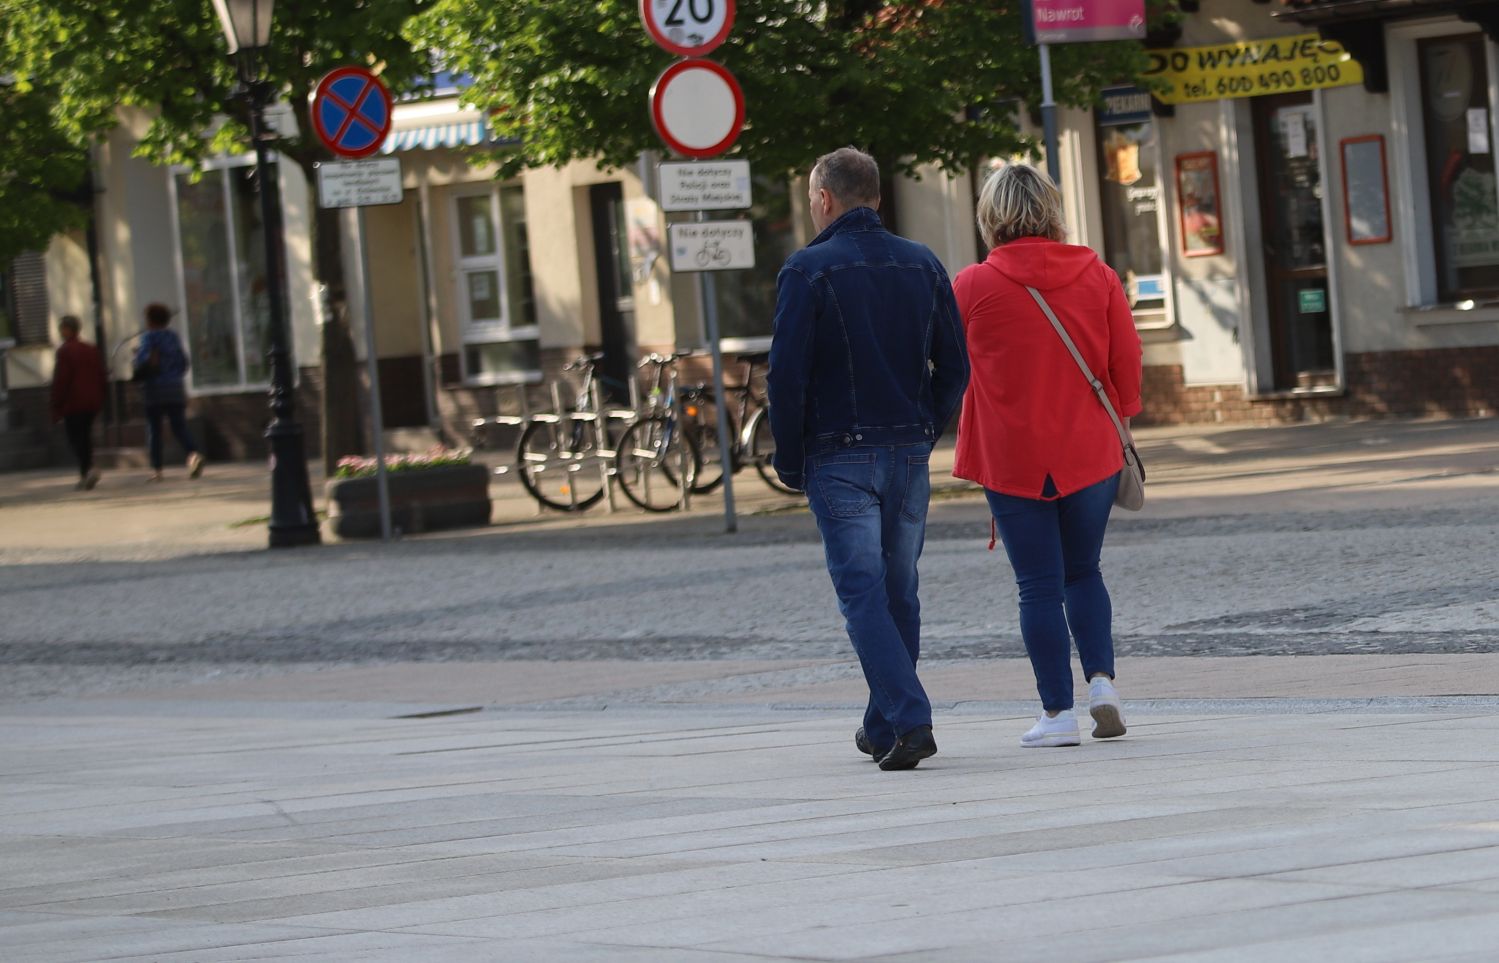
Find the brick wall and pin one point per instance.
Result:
(1434, 382)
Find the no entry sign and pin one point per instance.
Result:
(698, 108)
(351, 112)
(688, 28)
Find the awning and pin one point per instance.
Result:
(437, 136)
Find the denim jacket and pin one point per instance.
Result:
(868, 346)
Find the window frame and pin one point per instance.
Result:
(502, 331)
(221, 165)
(1412, 200)
(1154, 319)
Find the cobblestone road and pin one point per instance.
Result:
(1231, 570)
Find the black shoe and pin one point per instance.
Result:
(861, 743)
(910, 749)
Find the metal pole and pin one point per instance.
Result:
(293, 520)
(1049, 118)
(372, 361)
(707, 297)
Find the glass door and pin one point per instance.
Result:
(1294, 241)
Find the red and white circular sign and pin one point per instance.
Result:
(688, 28)
(698, 108)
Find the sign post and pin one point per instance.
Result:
(698, 110)
(351, 115)
(1074, 21)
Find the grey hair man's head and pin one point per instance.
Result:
(841, 181)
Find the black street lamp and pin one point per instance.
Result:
(247, 27)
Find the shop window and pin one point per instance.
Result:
(496, 294)
(1130, 199)
(1460, 185)
(225, 305)
(747, 299)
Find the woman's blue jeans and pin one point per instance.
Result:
(870, 504)
(176, 416)
(1054, 548)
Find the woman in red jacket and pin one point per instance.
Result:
(1034, 435)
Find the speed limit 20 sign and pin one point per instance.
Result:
(688, 28)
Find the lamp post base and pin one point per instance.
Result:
(293, 520)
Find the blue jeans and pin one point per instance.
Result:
(1054, 548)
(870, 504)
(177, 417)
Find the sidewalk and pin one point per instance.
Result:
(629, 738)
(42, 517)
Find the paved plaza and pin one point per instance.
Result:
(618, 738)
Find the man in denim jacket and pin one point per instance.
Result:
(867, 367)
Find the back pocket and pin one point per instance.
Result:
(844, 482)
(918, 493)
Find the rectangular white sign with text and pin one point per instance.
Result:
(360, 183)
(712, 246)
(705, 186)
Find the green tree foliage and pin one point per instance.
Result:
(922, 80)
(168, 57)
(43, 174)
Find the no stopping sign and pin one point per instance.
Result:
(688, 28)
(698, 108)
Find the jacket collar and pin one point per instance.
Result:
(858, 219)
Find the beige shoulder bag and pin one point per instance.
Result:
(1131, 496)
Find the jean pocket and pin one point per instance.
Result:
(844, 483)
(918, 493)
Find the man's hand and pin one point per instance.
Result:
(797, 482)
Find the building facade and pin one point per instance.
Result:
(1303, 208)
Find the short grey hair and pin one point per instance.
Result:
(1019, 201)
(850, 175)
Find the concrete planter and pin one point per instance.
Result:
(452, 496)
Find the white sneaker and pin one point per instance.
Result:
(194, 465)
(91, 479)
(1105, 708)
(1050, 732)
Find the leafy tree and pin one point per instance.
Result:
(916, 81)
(43, 174)
(85, 59)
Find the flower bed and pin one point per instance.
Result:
(439, 489)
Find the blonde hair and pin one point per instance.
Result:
(1019, 201)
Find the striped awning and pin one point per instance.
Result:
(437, 136)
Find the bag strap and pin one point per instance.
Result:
(1093, 382)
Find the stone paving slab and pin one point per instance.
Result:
(665, 834)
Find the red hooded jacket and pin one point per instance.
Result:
(78, 380)
(1029, 413)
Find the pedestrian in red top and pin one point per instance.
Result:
(1033, 433)
(78, 385)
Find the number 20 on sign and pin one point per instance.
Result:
(688, 28)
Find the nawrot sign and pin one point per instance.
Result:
(1081, 21)
(1252, 67)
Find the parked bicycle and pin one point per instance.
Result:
(655, 456)
(749, 427)
(559, 458)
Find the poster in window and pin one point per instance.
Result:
(1366, 191)
(1201, 211)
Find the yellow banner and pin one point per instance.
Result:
(1251, 68)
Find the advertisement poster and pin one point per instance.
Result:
(1251, 68)
(1201, 212)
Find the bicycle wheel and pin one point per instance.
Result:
(651, 459)
(762, 448)
(700, 413)
(558, 464)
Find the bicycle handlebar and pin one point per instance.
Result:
(654, 358)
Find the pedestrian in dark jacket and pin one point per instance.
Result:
(161, 369)
(79, 383)
(867, 367)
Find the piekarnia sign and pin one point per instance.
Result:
(1251, 68)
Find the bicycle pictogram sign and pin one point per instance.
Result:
(351, 112)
